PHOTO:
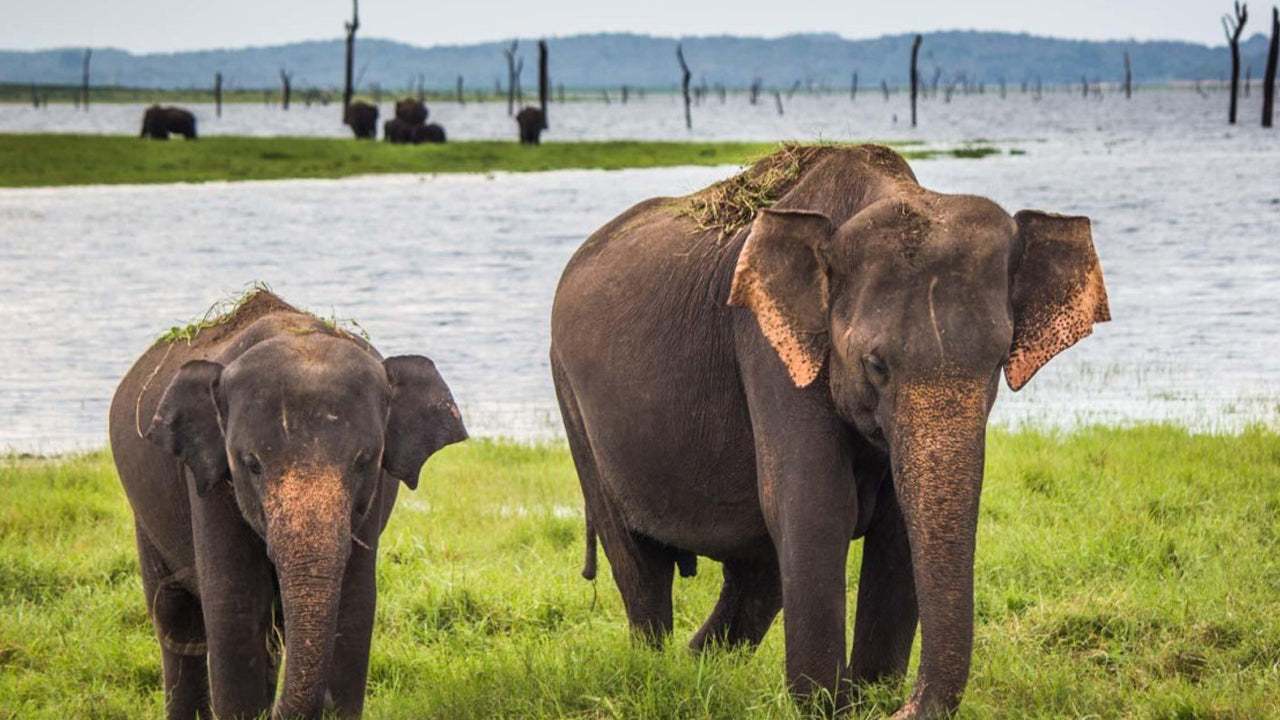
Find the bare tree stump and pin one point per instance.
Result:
(217, 93)
(684, 85)
(1234, 27)
(853, 87)
(1269, 77)
(286, 88)
(915, 76)
(84, 78)
(1128, 77)
(510, 54)
(351, 27)
(544, 81)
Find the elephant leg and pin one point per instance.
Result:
(237, 590)
(179, 626)
(749, 601)
(349, 672)
(642, 568)
(885, 623)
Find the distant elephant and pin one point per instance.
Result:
(262, 459)
(429, 133)
(158, 122)
(411, 111)
(398, 131)
(762, 391)
(362, 118)
(530, 121)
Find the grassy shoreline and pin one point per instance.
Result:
(45, 160)
(1122, 573)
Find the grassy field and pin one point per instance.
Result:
(52, 159)
(1121, 574)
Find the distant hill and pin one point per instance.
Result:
(610, 60)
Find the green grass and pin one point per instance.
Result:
(1122, 573)
(52, 159)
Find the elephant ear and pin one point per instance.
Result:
(781, 278)
(1058, 292)
(188, 423)
(423, 417)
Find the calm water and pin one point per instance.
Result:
(462, 268)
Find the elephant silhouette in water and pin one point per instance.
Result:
(530, 120)
(763, 386)
(409, 126)
(159, 122)
(262, 459)
(362, 118)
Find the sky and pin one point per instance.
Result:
(153, 26)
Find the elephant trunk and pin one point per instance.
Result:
(309, 539)
(938, 455)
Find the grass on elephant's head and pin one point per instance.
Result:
(1121, 573)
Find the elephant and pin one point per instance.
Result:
(412, 111)
(362, 118)
(261, 460)
(397, 130)
(158, 122)
(531, 125)
(800, 356)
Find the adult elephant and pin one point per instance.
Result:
(530, 121)
(262, 459)
(413, 112)
(362, 118)
(762, 391)
(429, 133)
(158, 122)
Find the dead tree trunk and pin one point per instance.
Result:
(777, 99)
(1128, 77)
(286, 88)
(462, 100)
(684, 85)
(915, 76)
(1084, 86)
(1233, 27)
(35, 97)
(884, 87)
(757, 82)
(84, 79)
(544, 81)
(1269, 78)
(1248, 78)
(351, 27)
(853, 87)
(217, 93)
(347, 90)
(510, 53)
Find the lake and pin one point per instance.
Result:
(463, 267)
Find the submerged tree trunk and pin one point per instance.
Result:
(684, 85)
(1269, 79)
(217, 93)
(1128, 77)
(462, 100)
(352, 27)
(286, 88)
(1234, 27)
(544, 82)
(510, 53)
(84, 78)
(915, 76)
(853, 86)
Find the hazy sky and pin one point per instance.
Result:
(150, 25)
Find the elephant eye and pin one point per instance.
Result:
(877, 371)
(363, 458)
(252, 463)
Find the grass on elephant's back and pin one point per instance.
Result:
(1121, 573)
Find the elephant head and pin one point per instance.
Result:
(302, 427)
(913, 306)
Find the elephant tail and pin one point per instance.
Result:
(589, 562)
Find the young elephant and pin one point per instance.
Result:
(158, 122)
(764, 393)
(262, 460)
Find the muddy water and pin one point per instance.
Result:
(462, 268)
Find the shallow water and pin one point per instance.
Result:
(462, 268)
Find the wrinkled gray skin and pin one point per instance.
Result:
(158, 122)
(820, 376)
(261, 462)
